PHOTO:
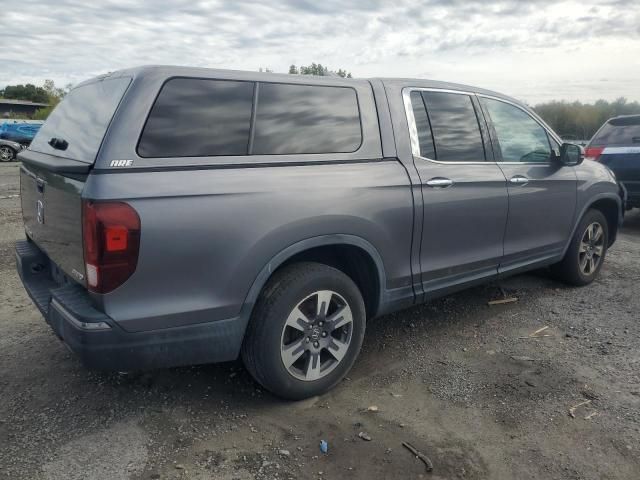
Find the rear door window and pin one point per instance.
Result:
(199, 117)
(455, 127)
(521, 138)
(299, 119)
(81, 120)
(618, 131)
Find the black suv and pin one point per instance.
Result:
(617, 145)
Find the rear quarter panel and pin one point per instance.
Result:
(206, 234)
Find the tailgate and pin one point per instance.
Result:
(52, 215)
(56, 165)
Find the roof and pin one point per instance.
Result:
(166, 71)
(634, 115)
(11, 101)
(199, 72)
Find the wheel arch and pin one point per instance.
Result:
(611, 211)
(610, 206)
(353, 255)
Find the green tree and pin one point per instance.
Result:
(43, 113)
(577, 120)
(317, 69)
(28, 92)
(48, 93)
(54, 93)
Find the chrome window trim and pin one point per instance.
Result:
(413, 131)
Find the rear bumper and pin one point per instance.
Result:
(100, 342)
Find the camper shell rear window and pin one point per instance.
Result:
(76, 127)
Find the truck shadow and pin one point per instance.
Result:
(632, 222)
(442, 319)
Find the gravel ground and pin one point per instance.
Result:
(460, 380)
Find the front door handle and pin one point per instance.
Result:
(439, 182)
(519, 180)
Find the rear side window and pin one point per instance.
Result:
(195, 117)
(298, 119)
(455, 127)
(81, 120)
(618, 131)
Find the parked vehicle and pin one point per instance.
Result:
(9, 150)
(21, 132)
(617, 145)
(179, 216)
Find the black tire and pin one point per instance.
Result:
(7, 154)
(263, 344)
(569, 269)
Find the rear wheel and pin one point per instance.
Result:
(585, 255)
(306, 331)
(7, 154)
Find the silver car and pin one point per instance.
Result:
(9, 150)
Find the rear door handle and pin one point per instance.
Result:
(519, 180)
(439, 182)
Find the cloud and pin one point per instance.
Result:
(535, 50)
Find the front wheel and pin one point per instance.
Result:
(305, 332)
(7, 154)
(585, 255)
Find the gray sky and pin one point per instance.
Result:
(535, 50)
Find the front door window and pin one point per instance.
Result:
(521, 138)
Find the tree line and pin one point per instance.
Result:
(317, 69)
(577, 120)
(48, 93)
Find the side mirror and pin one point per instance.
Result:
(571, 154)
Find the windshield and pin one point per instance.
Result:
(76, 127)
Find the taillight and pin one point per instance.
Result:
(593, 153)
(111, 241)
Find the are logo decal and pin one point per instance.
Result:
(121, 163)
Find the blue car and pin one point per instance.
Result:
(21, 133)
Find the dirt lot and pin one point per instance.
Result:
(460, 380)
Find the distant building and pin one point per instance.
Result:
(9, 108)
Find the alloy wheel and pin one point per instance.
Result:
(316, 335)
(6, 154)
(591, 248)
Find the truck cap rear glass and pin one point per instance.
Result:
(76, 127)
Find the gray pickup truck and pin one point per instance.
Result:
(179, 216)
